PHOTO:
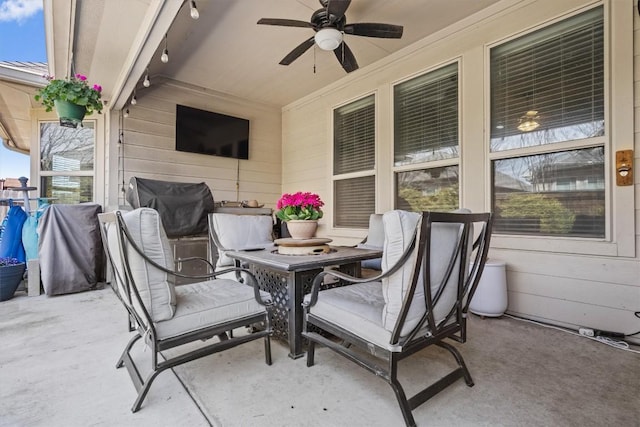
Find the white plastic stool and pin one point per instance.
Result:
(490, 298)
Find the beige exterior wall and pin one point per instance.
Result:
(570, 282)
(149, 146)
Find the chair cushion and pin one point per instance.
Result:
(399, 228)
(156, 292)
(241, 232)
(375, 240)
(356, 308)
(209, 303)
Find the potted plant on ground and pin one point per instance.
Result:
(72, 98)
(11, 272)
(301, 212)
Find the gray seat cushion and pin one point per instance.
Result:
(204, 304)
(356, 308)
(375, 240)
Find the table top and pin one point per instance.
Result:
(271, 258)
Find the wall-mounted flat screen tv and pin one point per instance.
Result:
(206, 132)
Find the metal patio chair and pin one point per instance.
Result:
(230, 232)
(168, 316)
(430, 270)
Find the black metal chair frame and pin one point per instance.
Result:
(143, 325)
(453, 327)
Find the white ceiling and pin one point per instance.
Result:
(114, 41)
(225, 50)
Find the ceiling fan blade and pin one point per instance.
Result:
(285, 22)
(367, 29)
(346, 58)
(299, 50)
(337, 8)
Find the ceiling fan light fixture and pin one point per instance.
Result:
(194, 10)
(529, 121)
(328, 38)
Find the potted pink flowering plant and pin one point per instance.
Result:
(301, 212)
(73, 98)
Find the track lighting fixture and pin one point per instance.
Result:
(194, 10)
(134, 101)
(165, 53)
(126, 113)
(146, 82)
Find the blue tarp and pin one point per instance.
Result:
(11, 242)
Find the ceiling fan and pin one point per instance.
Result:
(330, 25)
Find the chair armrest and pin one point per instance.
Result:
(193, 259)
(319, 279)
(253, 283)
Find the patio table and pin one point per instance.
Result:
(289, 277)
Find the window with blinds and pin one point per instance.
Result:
(552, 80)
(355, 200)
(426, 117)
(548, 87)
(354, 154)
(354, 136)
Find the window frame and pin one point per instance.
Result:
(348, 230)
(619, 237)
(81, 173)
(430, 164)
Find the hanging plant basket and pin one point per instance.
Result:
(70, 114)
(10, 278)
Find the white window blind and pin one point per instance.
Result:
(556, 74)
(354, 136)
(355, 200)
(426, 117)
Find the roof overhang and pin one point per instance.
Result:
(19, 82)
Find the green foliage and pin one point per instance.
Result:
(446, 199)
(75, 90)
(554, 217)
(295, 212)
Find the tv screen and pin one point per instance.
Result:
(205, 132)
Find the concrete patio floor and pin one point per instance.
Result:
(58, 354)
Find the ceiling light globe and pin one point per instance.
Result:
(165, 56)
(328, 38)
(194, 11)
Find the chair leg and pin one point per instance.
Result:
(311, 351)
(146, 385)
(126, 351)
(456, 354)
(267, 349)
(405, 408)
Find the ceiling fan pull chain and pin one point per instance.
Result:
(314, 59)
